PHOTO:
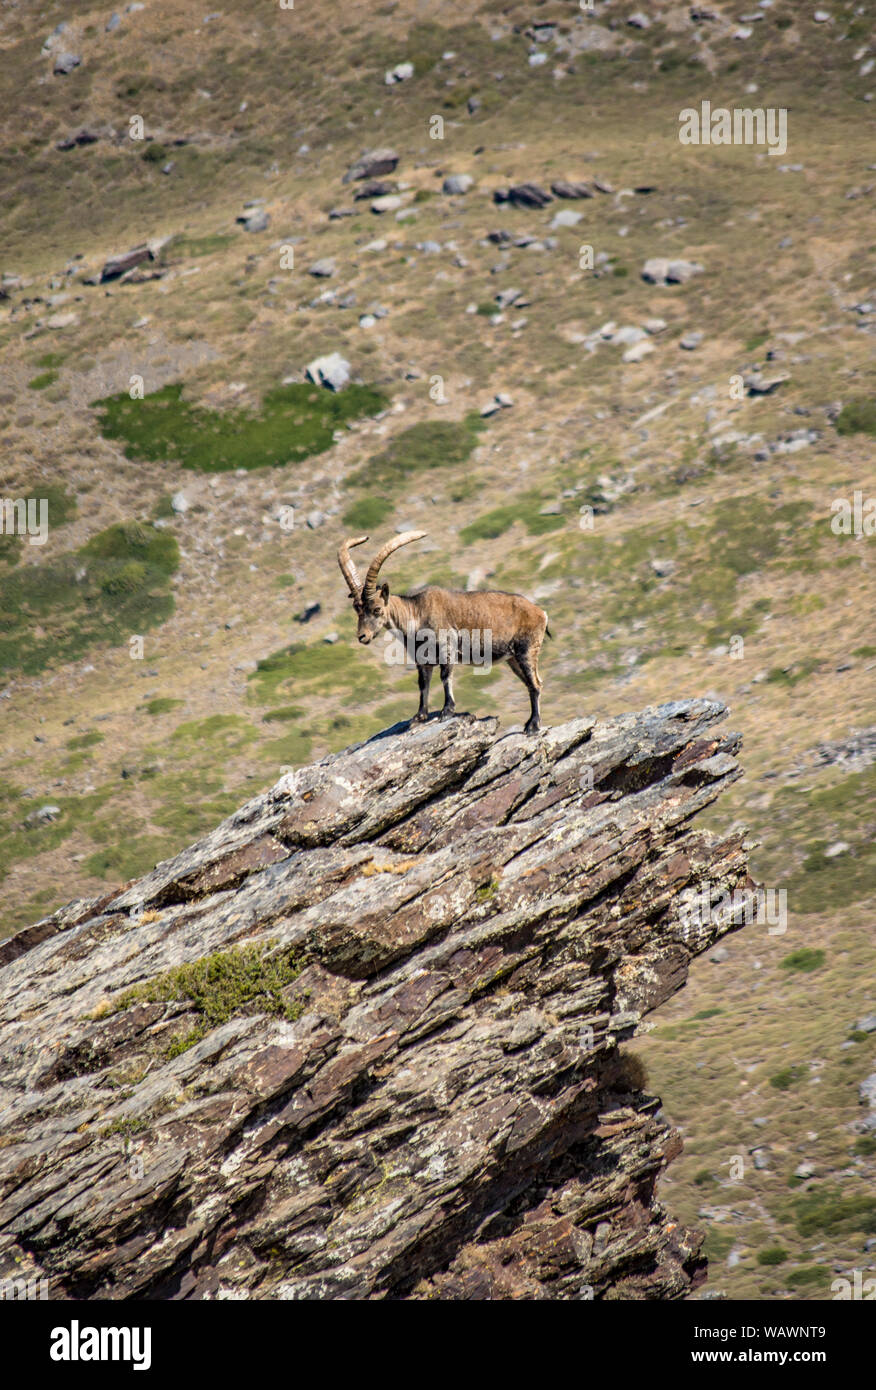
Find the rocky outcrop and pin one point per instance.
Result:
(365, 1039)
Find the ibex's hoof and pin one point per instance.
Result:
(419, 718)
(447, 712)
(532, 726)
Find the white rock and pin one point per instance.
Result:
(457, 183)
(400, 73)
(638, 351)
(567, 217)
(332, 371)
(387, 203)
(179, 502)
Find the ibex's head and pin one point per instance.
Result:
(371, 600)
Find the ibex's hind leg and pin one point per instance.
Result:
(447, 682)
(525, 666)
(424, 677)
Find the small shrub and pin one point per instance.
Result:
(775, 1255)
(806, 959)
(858, 417)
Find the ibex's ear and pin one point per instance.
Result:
(384, 590)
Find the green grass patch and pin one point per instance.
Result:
(774, 1255)
(243, 980)
(806, 1276)
(114, 587)
(85, 740)
(162, 704)
(429, 445)
(495, 523)
(198, 245)
(368, 514)
(806, 959)
(42, 380)
(857, 417)
(295, 423)
(831, 1212)
(283, 713)
(786, 1078)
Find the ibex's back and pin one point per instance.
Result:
(508, 618)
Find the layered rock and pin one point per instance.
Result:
(430, 1097)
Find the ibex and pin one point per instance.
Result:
(442, 627)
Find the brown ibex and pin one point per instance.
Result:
(443, 627)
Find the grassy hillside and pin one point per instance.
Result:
(154, 668)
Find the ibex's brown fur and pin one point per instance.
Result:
(442, 627)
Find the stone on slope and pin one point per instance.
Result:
(332, 371)
(372, 165)
(660, 270)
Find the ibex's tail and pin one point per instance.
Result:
(548, 633)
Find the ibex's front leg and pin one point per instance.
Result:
(424, 676)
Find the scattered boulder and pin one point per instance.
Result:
(118, 265)
(689, 342)
(371, 165)
(402, 72)
(65, 63)
(390, 203)
(501, 401)
(83, 136)
(866, 1024)
(315, 519)
(323, 269)
(565, 188)
(505, 298)
(374, 188)
(256, 220)
(331, 371)
(523, 195)
(457, 183)
(662, 271)
(43, 816)
(310, 610)
(639, 21)
(566, 217)
(638, 351)
(757, 385)
(179, 502)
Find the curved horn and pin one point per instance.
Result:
(383, 554)
(348, 569)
